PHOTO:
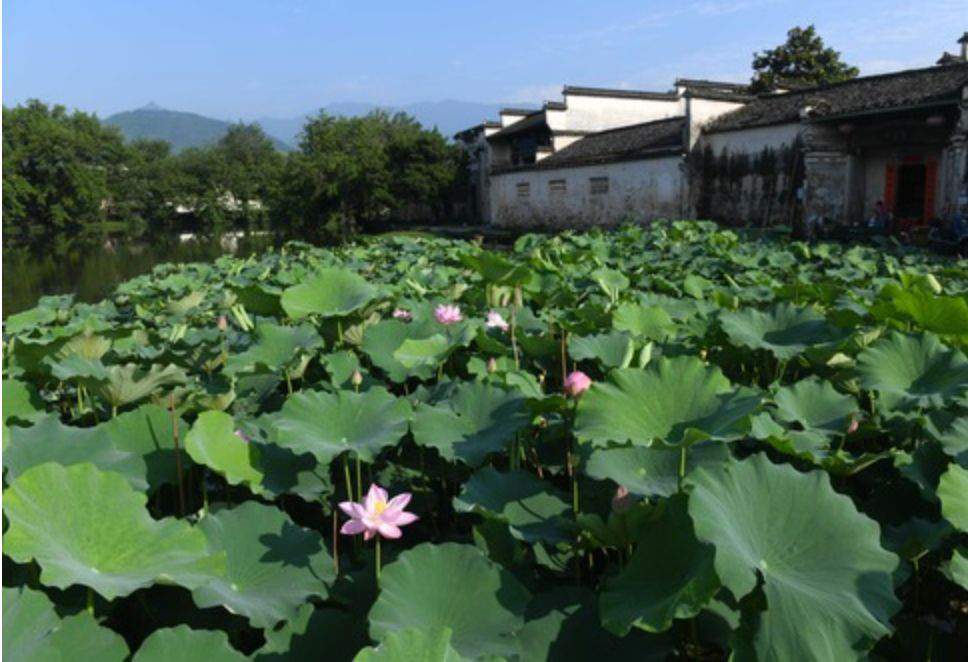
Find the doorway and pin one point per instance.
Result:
(911, 190)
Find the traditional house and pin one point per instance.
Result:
(712, 150)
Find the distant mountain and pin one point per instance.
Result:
(448, 116)
(179, 128)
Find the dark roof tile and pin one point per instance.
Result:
(902, 89)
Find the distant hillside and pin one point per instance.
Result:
(179, 128)
(448, 116)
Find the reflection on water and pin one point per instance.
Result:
(91, 270)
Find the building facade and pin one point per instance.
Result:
(709, 149)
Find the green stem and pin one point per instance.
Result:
(288, 383)
(90, 601)
(359, 480)
(682, 466)
(378, 560)
(346, 477)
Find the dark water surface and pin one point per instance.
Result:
(90, 270)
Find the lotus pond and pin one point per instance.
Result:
(651, 444)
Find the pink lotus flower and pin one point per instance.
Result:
(377, 515)
(402, 314)
(448, 313)
(495, 321)
(577, 383)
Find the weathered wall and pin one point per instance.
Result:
(637, 191)
(597, 113)
(700, 111)
(748, 176)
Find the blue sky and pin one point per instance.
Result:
(240, 59)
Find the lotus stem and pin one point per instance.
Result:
(359, 480)
(335, 543)
(178, 459)
(682, 465)
(90, 601)
(288, 383)
(377, 565)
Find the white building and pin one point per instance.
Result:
(710, 149)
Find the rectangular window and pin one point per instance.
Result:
(557, 187)
(598, 185)
(524, 189)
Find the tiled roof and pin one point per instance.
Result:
(621, 94)
(902, 89)
(628, 143)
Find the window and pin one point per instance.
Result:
(524, 189)
(598, 185)
(557, 187)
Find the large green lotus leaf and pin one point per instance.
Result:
(913, 371)
(129, 383)
(75, 367)
(826, 579)
(957, 567)
(815, 405)
(613, 349)
(678, 401)
(272, 565)
(327, 424)
(340, 633)
(785, 330)
(563, 624)
(651, 471)
(33, 632)
(669, 576)
(451, 586)
(953, 493)
(412, 645)
(647, 322)
(20, 402)
(478, 419)
(382, 341)
(212, 442)
(49, 440)
(184, 644)
(87, 526)
(332, 292)
(532, 508)
(277, 347)
(147, 431)
(945, 315)
(950, 430)
(422, 352)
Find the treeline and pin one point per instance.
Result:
(66, 172)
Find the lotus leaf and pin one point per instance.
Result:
(186, 645)
(332, 292)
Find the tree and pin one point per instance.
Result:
(58, 169)
(804, 60)
(248, 170)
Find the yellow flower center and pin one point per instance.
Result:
(379, 507)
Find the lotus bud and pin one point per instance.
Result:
(577, 383)
(356, 379)
(491, 365)
(223, 323)
(854, 424)
(622, 501)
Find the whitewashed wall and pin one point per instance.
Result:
(752, 141)
(596, 113)
(638, 191)
(702, 111)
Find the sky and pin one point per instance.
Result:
(242, 59)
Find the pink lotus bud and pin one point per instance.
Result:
(492, 365)
(357, 378)
(854, 424)
(402, 314)
(223, 323)
(243, 436)
(377, 514)
(448, 313)
(577, 383)
(622, 501)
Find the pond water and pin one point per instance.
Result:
(90, 270)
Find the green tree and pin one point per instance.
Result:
(802, 60)
(58, 170)
(248, 169)
(145, 194)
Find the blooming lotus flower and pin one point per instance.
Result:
(402, 314)
(448, 313)
(577, 383)
(495, 321)
(377, 515)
